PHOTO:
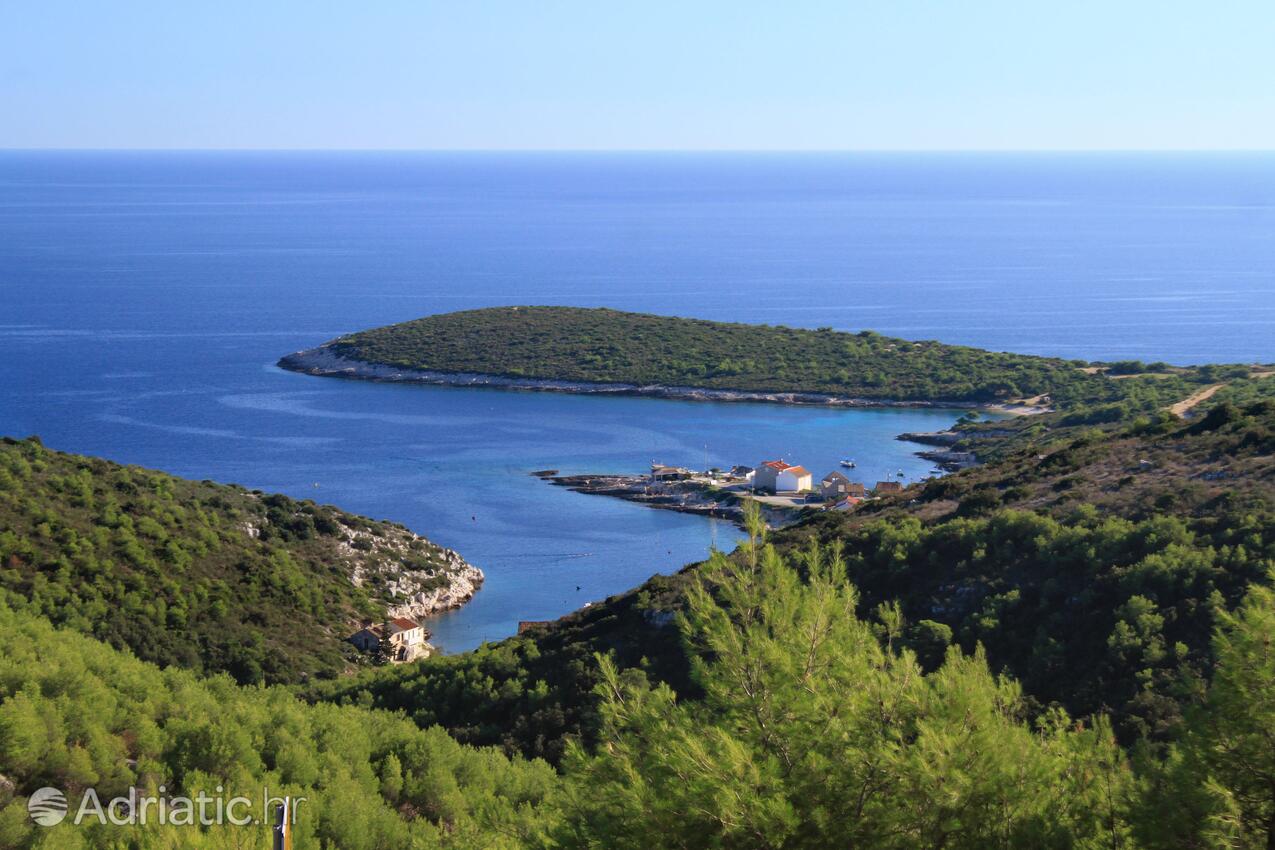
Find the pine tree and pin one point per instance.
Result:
(813, 731)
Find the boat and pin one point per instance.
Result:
(847, 463)
(900, 473)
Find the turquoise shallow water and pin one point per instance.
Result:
(145, 297)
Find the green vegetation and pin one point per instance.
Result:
(196, 574)
(809, 726)
(808, 723)
(76, 714)
(1227, 741)
(815, 730)
(598, 345)
(610, 346)
(533, 693)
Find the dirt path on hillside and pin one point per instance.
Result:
(1181, 408)
(1022, 407)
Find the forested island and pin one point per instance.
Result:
(1066, 646)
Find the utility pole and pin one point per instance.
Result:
(283, 825)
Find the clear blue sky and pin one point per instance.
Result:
(888, 74)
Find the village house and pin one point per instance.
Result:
(776, 476)
(403, 639)
(368, 638)
(766, 474)
(885, 488)
(836, 486)
(660, 472)
(407, 638)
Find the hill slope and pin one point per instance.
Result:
(202, 575)
(75, 714)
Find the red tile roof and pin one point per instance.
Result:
(798, 470)
(776, 464)
(404, 623)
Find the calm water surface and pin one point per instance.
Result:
(145, 297)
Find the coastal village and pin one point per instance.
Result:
(782, 489)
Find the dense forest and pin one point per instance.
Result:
(610, 346)
(811, 726)
(200, 575)
(75, 714)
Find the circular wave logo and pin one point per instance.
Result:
(47, 806)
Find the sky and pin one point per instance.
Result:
(608, 74)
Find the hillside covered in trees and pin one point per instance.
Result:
(610, 346)
(200, 575)
(808, 725)
(1093, 564)
(76, 714)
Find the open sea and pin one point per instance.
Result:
(144, 298)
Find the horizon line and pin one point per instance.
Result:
(564, 150)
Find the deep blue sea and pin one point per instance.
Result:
(144, 298)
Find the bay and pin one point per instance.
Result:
(145, 296)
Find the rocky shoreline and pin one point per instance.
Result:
(325, 361)
(406, 589)
(945, 456)
(462, 584)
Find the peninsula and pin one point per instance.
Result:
(594, 350)
(209, 576)
(571, 349)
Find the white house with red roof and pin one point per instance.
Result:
(405, 633)
(776, 476)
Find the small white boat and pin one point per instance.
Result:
(900, 473)
(847, 463)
